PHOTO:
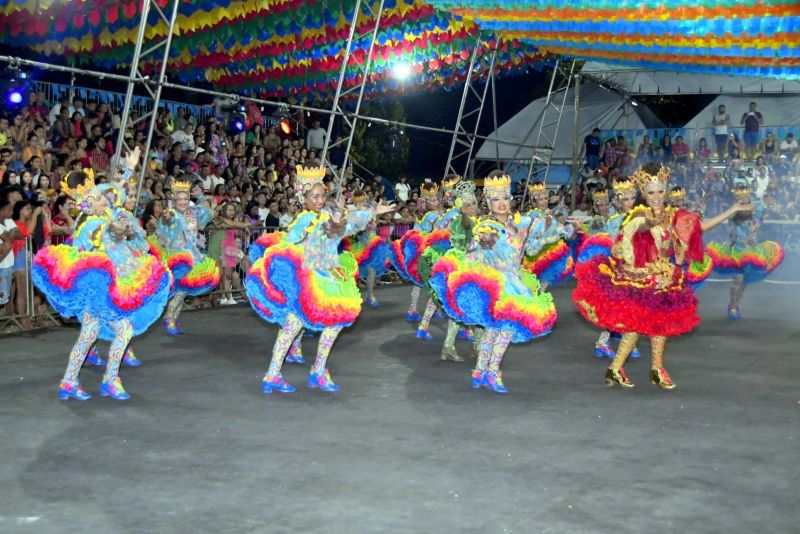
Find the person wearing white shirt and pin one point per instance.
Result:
(402, 189)
(8, 233)
(185, 137)
(315, 140)
(721, 121)
(56, 111)
(789, 146)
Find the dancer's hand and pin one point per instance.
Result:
(487, 240)
(132, 159)
(382, 208)
(741, 206)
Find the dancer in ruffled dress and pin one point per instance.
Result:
(640, 289)
(176, 244)
(372, 253)
(114, 291)
(487, 287)
(553, 264)
(303, 281)
(743, 255)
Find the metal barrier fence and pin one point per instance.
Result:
(34, 307)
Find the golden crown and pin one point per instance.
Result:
(310, 173)
(740, 190)
(643, 178)
(179, 186)
(429, 190)
(600, 194)
(623, 185)
(359, 196)
(496, 186)
(537, 187)
(677, 192)
(450, 181)
(79, 193)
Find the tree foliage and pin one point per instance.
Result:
(382, 148)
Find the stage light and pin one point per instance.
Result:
(238, 125)
(285, 127)
(401, 71)
(14, 97)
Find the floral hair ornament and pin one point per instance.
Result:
(497, 187)
(84, 194)
(642, 178)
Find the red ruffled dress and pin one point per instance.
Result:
(642, 286)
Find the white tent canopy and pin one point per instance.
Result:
(781, 115)
(639, 81)
(599, 107)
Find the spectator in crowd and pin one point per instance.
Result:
(789, 146)
(591, 149)
(703, 152)
(752, 121)
(680, 151)
(402, 190)
(315, 139)
(721, 122)
(769, 148)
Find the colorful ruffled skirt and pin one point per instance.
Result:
(192, 276)
(407, 251)
(755, 263)
(552, 265)
(476, 294)
(75, 282)
(593, 246)
(698, 271)
(264, 241)
(434, 246)
(278, 284)
(375, 254)
(613, 302)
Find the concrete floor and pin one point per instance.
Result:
(407, 446)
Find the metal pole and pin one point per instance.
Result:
(458, 128)
(480, 112)
(134, 75)
(575, 140)
(358, 102)
(157, 97)
(61, 68)
(494, 117)
(342, 71)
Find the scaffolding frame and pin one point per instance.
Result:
(470, 109)
(374, 12)
(153, 88)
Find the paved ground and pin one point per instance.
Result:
(406, 446)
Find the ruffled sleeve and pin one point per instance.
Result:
(298, 229)
(537, 236)
(358, 220)
(203, 215)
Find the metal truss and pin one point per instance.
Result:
(471, 109)
(373, 13)
(142, 54)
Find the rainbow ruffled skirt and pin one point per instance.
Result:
(476, 294)
(75, 282)
(407, 251)
(593, 246)
(192, 276)
(755, 263)
(278, 284)
(552, 265)
(376, 254)
(264, 241)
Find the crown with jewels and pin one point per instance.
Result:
(620, 186)
(464, 192)
(497, 186)
(179, 186)
(643, 178)
(537, 187)
(429, 190)
(84, 194)
(600, 194)
(307, 177)
(677, 193)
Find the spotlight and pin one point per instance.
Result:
(285, 127)
(14, 97)
(401, 71)
(634, 103)
(238, 123)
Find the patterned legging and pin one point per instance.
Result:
(90, 329)
(627, 344)
(291, 330)
(371, 284)
(430, 309)
(493, 345)
(412, 306)
(737, 290)
(175, 305)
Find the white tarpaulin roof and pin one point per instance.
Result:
(599, 107)
(638, 81)
(781, 115)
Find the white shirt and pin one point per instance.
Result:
(186, 140)
(8, 261)
(762, 181)
(721, 129)
(56, 111)
(788, 147)
(285, 220)
(402, 191)
(263, 213)
(315, 139)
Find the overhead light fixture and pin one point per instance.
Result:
(285, 127)
(401, 71)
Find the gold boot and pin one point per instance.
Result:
(660, 377)
(617, 377)
(450, 354)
